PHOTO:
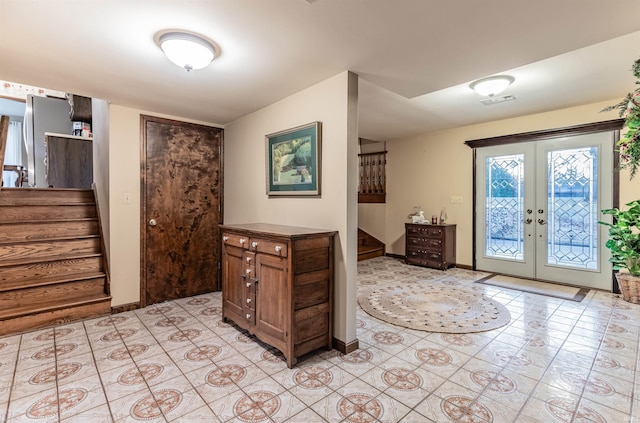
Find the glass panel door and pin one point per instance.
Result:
(569, 243)
(537, 209)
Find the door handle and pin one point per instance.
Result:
(152, 222)
(528, 221)
(542, 221)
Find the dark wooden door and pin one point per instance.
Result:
(181, 209)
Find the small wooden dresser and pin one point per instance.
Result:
(430, 245)
(277, 283)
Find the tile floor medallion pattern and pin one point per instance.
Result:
(556, 361)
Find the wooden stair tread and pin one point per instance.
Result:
(52, 280)
(368, 248)
(45, 222)
(42, 308)
(52, 239)
(12, 263)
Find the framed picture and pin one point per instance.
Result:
(293, 161)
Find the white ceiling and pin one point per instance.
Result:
(415, 57)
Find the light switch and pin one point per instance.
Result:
(456, 199)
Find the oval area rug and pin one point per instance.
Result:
(434, 307)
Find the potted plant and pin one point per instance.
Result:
(629, 109)
(624, 243)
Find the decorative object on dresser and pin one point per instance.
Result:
(293, 161)
(277, 283)
(430, 245)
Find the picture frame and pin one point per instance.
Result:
(294, 161)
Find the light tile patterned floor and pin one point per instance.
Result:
(557, 361)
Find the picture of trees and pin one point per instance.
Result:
(292, 162)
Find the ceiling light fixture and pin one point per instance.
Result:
(492, 85)
(189, 51)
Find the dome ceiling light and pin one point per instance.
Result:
(189, 51)
(491, 85)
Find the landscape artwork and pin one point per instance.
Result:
(293, 164)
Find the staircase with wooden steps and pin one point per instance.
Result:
(51, 258)
(368, 246)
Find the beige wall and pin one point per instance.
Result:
(334, 103)
(429, 168)
(124, 219)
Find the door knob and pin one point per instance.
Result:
(528, 221)
(542, 221)
(153, 222)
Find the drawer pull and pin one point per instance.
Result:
(248, 284)
(254, 244)
(248, 259)
(248, 316)
(248, 300)
(248, 271)
(278, 248)
(242, 241)
(225, 238)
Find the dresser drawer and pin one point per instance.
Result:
(269, 247)
(431, 255)
(235, 240)
(434, 243)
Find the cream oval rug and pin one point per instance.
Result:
(434, 307)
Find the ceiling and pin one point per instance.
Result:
(415, 58)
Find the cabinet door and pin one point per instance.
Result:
(273, 304)
(233, 290)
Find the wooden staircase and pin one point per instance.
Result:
(368, 246)
(52, 268)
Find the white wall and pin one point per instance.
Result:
(100, 128)
(429, 168)
(334, 103)
(124, 219)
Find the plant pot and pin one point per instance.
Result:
(629, 287)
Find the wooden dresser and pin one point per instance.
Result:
(277, 283)
(430, 245)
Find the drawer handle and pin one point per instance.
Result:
(225, 238)
(248, 316)
(248, 259)
(254, 244)
(278, 248)
(248, 271)
(248, 284)
(248, 300)
(242, 240)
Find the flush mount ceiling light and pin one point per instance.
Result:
(492, 85)
(189, 51)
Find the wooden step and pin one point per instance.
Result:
(57, 314)
(21, 274)
(45, 196)
(15, 254)
(365, 253)
(40, 230)
(13, 303)
(23, 213)
(19, 282)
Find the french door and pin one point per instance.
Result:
(538, 204)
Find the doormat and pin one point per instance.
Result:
(565, 292)
(433, 307)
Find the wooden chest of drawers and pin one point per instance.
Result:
(430, 245)
(277, 283)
